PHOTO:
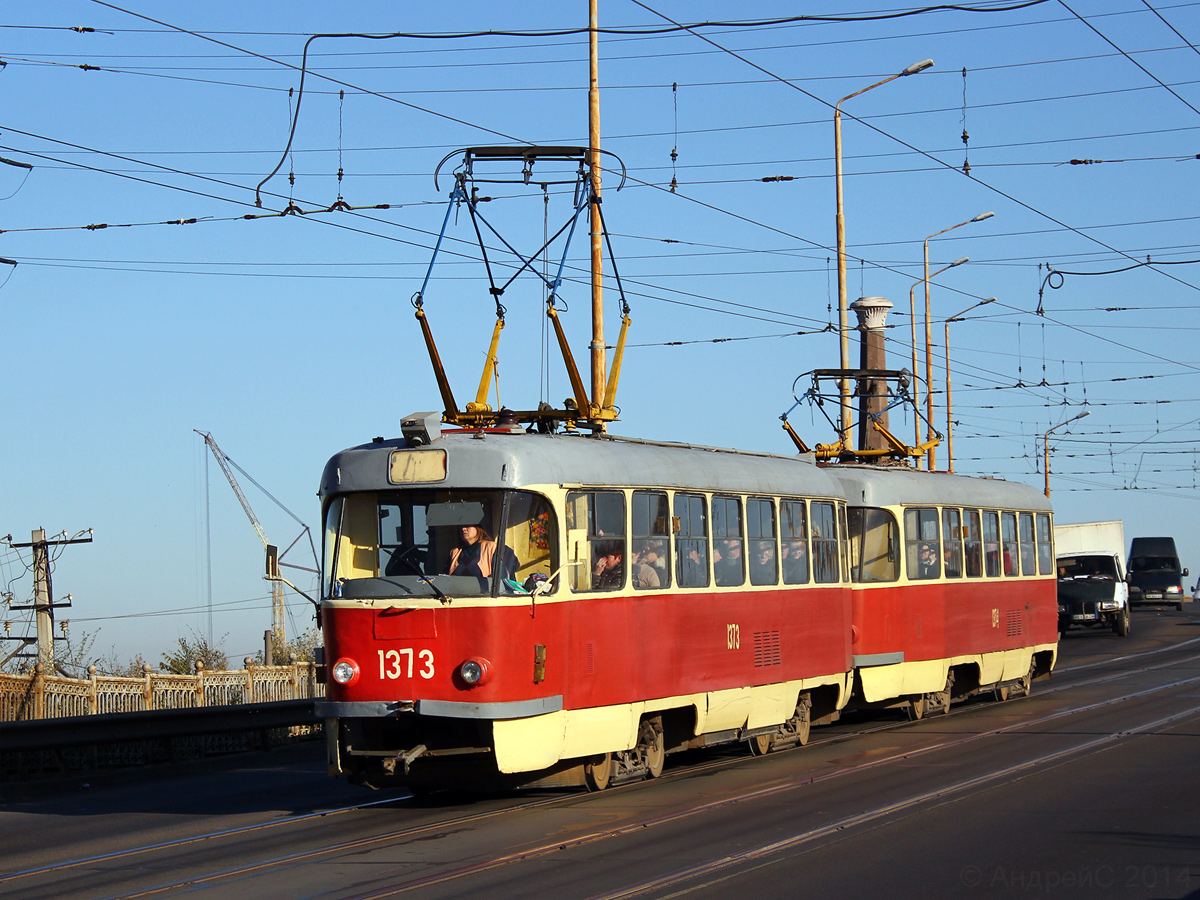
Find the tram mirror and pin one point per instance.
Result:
(462, 512)
(272, 561)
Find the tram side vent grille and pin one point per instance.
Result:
(590, 658)
(766, 649)
(1016, 624)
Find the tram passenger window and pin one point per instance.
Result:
(874, 549)
(531, 539)
(650, 553)
(825, 543)
(972, 543)
(921, 543)
(1028, 544)
(760, 532)
(729, 563)
(952, 542)
(596, 540)
(1045, 545)
(991, 543)
(843, 541)
(793, 544)
(691, 541)
(1008, 532)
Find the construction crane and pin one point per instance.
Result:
(278, 629)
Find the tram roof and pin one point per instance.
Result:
(512, 460)
(889, 486)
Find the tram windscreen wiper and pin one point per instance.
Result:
(425, 579)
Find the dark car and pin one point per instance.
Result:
(1155, 576)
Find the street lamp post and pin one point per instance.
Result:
(843, 305)
(1046, 445)
(929, 332)
(912, 324)
(957, 317)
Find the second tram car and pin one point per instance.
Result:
(954, 586)
(503, 607)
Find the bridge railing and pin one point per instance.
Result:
(41, 696)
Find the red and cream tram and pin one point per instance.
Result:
(954, 586)
(510, 607)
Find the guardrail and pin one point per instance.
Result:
(40, 696)
(47, 751)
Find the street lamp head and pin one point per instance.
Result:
(918, 67)
(982, 216)
(1086, 412)
(959, 262)
(985, 302)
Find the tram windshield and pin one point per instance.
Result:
(441, 544)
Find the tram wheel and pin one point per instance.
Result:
(803, 720)
(597, 773)
(916, 708)
(761, 744)
(1020, 688)
(650, 740)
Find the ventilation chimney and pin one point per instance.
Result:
(872, 392)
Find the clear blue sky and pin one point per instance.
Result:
(291, 337)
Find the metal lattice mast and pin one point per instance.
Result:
(278, 628)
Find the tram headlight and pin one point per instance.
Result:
(345, 672)
(474, 671)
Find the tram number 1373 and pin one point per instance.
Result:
(399, 663)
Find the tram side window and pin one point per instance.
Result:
(691, 541)
(952, 542)
(972, 543)
(793, 545)
(1028, 544)
(596, 540)
(844, 540)
(1008, 533)
(1045, 545)
(874, 549)
(729, 563)
(530, 536)
(921, 543)
(760, 533)
(991, 543)
(825, 543)
(650, 556)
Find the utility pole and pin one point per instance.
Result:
(43, 592)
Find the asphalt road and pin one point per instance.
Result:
(1088, 788)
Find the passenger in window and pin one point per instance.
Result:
(727, 564)
(609, 571)
(927, 562)
(644, 575)
(475, 554)
(762, 564)
(794, 556)
(653, 554)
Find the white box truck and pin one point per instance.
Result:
(1092, 588)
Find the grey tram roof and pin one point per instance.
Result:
(501, 460)
(880, 486)
(513, 460)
